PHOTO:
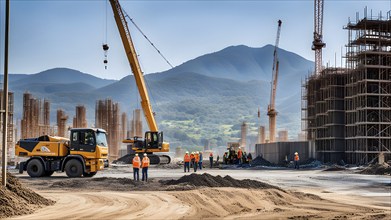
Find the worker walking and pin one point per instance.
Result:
(186, 161)
(136, 167)
(297, 160)
(211, 159)
(200, 160)
(145, 164)
(196, 159)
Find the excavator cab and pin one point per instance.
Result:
(153, 140)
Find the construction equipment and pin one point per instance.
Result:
(271, 108)
(153, 140)
(84, 154)
(318, 44)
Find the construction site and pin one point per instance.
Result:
(113, 161)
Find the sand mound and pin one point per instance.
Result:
(377, 169)
(15, 199)
(217, 181)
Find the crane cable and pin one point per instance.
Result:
(145, 36)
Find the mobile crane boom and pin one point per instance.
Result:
(318, 43)
(134, 63)
(271, 109)
(153, 141)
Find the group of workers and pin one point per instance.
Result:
(240, 157)
(193, 160)
(144, 164)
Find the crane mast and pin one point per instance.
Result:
(134, 63)
(318, 44)
(271, 109)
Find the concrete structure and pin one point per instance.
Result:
(107, 116)
(243, 137)
(261, 135)
(276, 152)
(80, 120)
(62, 123)
(124, 126)
(36, 117)
(135, 128)
(283, 136)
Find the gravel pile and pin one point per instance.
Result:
(15, 199)
(377, 169)
(260, 161)
(217, 181)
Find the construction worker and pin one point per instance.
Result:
(196, 158)
(145, 164)
(200, 160)
(211, 159)
(240, 154)
(225, 157)
(192, 160)
(297, 160)
(186, 161)
(136, 167)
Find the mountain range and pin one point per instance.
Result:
(206, 98)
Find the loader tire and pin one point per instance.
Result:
(73, 168)
(35, 168)
(91, 174)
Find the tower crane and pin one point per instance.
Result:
(271, 108)
(318, 44)
(153, 141)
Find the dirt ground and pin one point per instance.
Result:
(281, 194)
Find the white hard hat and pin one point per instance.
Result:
(239, 147)
(197, 152)
(136, 155)
(296, 153)
(187, 152)
(145, 154)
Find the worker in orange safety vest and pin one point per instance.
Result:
(192, 159)
(197, 159)
(145, 164)
(297, 160)
(240, 154)
(186, 160)
(136, 167)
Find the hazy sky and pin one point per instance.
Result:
(69, 33)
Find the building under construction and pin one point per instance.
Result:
(135, 128)
(36, 117)
(62, 119)
(107, 117)
(347, 112)
(80, 120)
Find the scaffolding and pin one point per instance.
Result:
(368, 89)
(347, 112)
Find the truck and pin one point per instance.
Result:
(153, 139)
(84, 154)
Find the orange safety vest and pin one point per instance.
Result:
(240, 154)
(197, 158)
(145, 162)
(136, 162)
(296, 157)
(187, 158)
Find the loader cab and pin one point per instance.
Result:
(84, 139)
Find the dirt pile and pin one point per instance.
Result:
(335, 168)
(260, 161)
(377, 169)
(217, 181)
(15, 199)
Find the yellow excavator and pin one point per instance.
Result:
(153, 140)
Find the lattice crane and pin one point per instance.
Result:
(271, 109)
(318, 44)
